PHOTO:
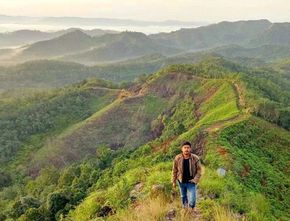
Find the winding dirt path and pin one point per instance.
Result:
(241, 116)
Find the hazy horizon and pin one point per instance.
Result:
(184, 10)
(11, 23)
(143, 16)
(148, 16)
(55, 23)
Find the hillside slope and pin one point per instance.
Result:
(115, 164)
(29, 118)
(225, 136)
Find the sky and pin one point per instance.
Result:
(153, 10)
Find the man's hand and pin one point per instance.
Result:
(192, 181)
(174, 185)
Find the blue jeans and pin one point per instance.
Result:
(188, 194)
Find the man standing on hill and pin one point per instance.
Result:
(186, 170)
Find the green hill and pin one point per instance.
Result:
(276, 34)
(214, 35)
(265, 52)
(252, 33)
(92, 49)
(124, 46)
(112, 159)
(64, 44)
(22, 37)
(55, 73)
(29, 117)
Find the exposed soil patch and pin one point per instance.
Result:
(222, 151)
(199, 143)
(163, 147)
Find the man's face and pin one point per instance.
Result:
(186, 149)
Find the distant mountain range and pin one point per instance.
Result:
(121, 47)
(253, 39)
(92, 21)
(250, 33)
(80, 47)
(21, 37)
(75, 21)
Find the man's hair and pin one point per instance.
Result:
(186, 143)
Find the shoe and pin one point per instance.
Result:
(184, 211)
(193, 211)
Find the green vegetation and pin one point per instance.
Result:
(105, 153)
(42, 116)
(263, 153)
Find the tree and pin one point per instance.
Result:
(22, 205)
(33, 214)
(104, 155)
(5, 179)
(56, 201)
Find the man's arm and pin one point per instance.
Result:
(198, 172)
(174, 173)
